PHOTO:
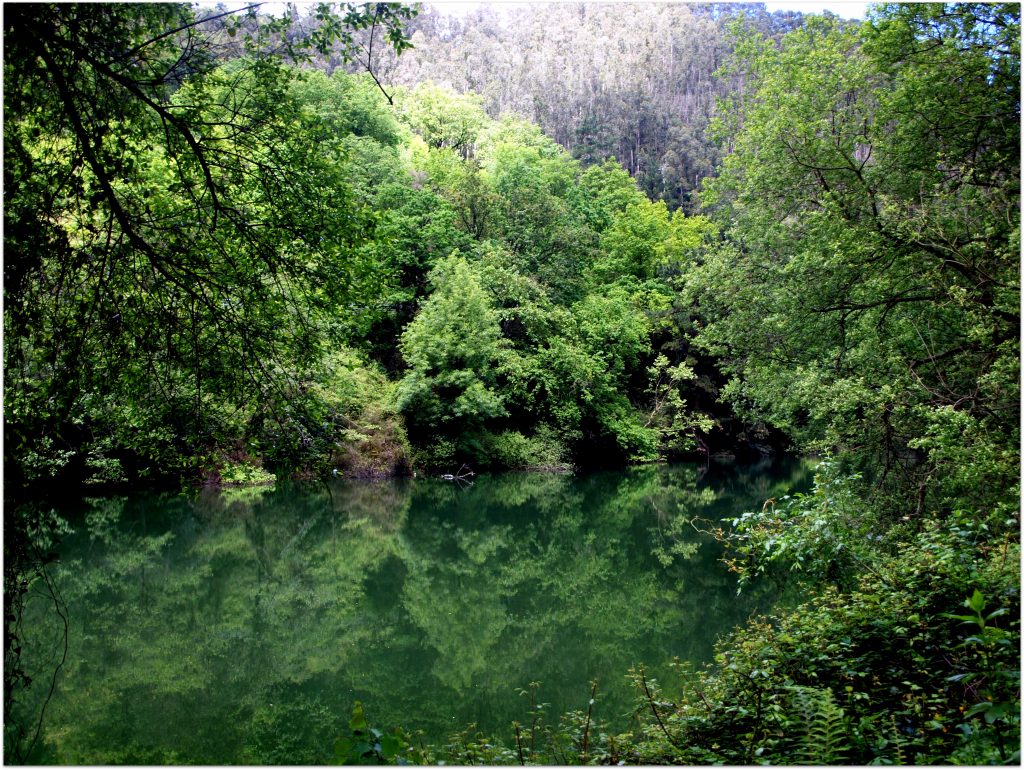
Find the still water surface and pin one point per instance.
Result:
(241, 626)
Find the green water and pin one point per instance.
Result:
(241, 626)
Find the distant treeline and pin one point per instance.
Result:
(636, 82)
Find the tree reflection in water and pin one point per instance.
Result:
(242, 625)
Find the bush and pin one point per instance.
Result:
(439, 454)
(244, 474)
(340, 416)
(887, 672)
(511, 449)
(375, 447)
(828, 534)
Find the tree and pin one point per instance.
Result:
(451, 348)
(870, 284)
(171, 244)
(531, 178)
(170, 238)
(444, 118)
(573, 263)
(601, 80)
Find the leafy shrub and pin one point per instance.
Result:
(883, 651)
(341, 414)
(826, 534)
(374, 447)
(435, 455)
(243, 474)
(511, 449)
(366, 745)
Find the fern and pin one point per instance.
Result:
(898, 741)
(822, 740)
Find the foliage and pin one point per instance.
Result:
(823, 740)
(451, 348)
(171, 233)
(369, 746)
(242, 361)
(575, 336)
(245, 474)
(995, 688)
(511, 449)
(882, 652)
(339, 416)
(669, 414)
(827, 534)
(609, 85)
(444, 119)
(218, 262)
(870, 277)
(864, 301)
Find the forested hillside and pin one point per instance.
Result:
(551, 239)
(604, 80)
(277, 265)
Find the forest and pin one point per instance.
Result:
(379, 241)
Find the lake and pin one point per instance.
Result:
(241, 626)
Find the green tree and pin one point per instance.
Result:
(577, 378)
(170, 237)
(531, 178)
(603, 191)
(871, 276)
(172, 241)
(444, 118)
(415, 228)
(451, 348)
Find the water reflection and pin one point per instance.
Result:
(241, 626)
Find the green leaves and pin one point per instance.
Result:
(575, 266)
(823, 739)
(451, 348)
(853, 304)
(991, 681)
(826, 534)
(209, 233)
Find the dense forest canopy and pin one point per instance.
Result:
(223, 248)
(238, 246)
